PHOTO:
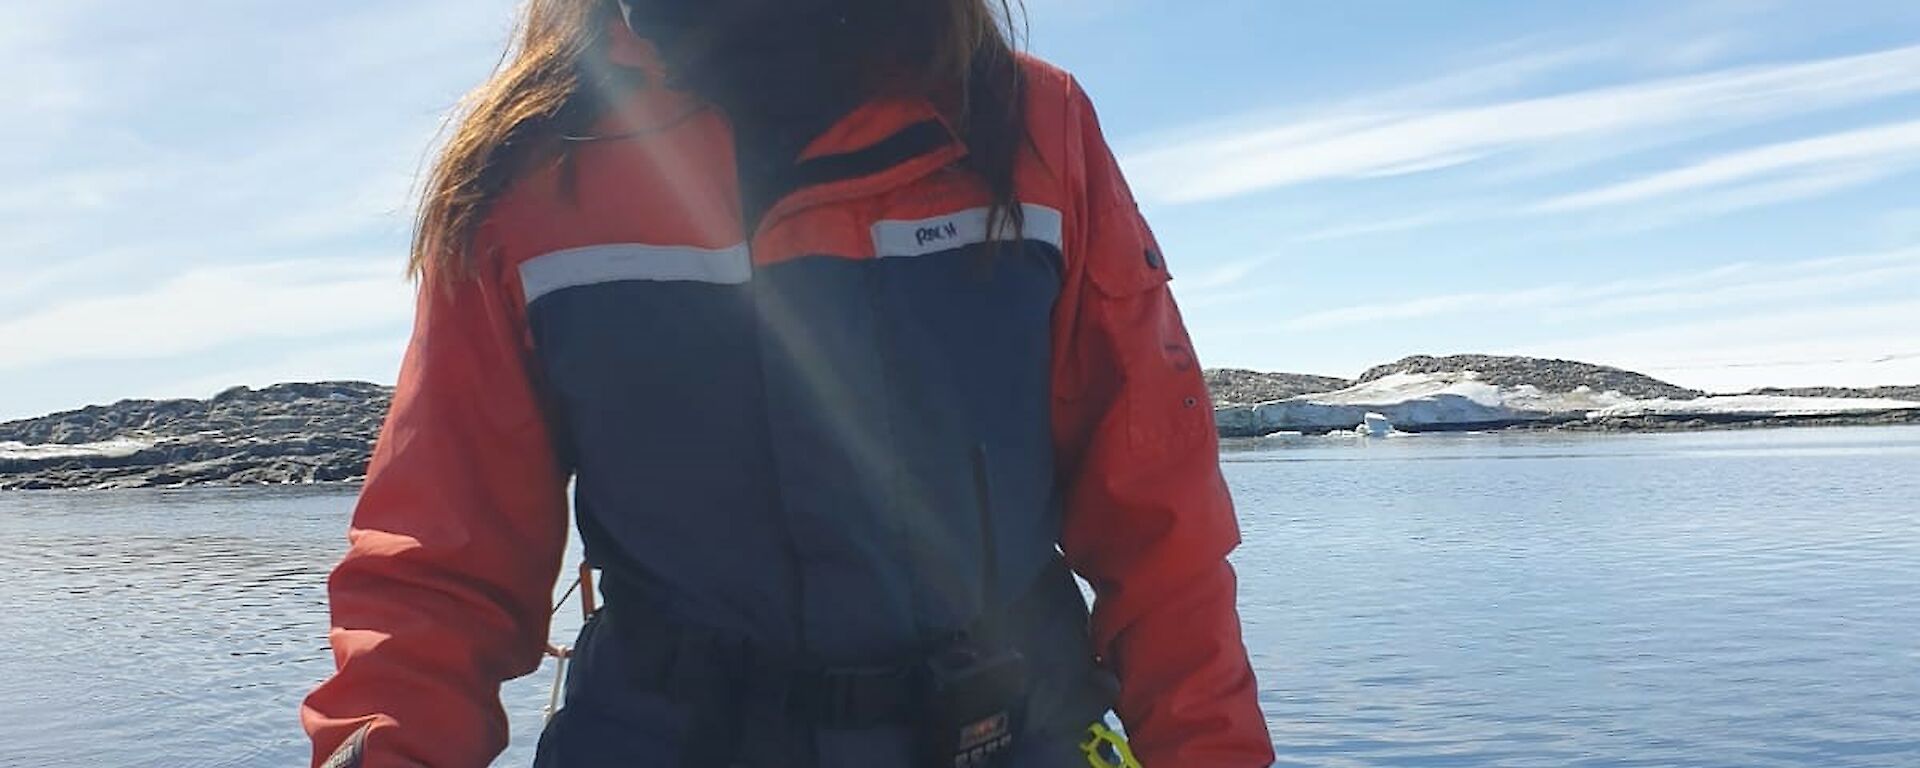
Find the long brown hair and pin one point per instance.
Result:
(554, 81)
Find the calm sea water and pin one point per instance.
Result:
(1720, 599)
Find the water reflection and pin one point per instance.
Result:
(172, 628)
(1731, 599)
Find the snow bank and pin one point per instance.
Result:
(1415, 400)
(1755, 405)
(117, 447)
(1461, 399)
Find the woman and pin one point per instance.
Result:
(844, 325)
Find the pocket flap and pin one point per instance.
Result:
(1127, 261)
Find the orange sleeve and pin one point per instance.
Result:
(1148, 519)
(454, 547)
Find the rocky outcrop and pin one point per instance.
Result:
(1887, 393)
(324, 432)
(1546, 375)
(287, 433)
(1231, 386)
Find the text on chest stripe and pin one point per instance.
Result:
(898, 237)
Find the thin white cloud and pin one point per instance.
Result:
(1729, 285)
(42, 95)
(1694, 53)
(1775, 192)
(1797, 282)
(1228, 280)
(1502, 68)
(262, 146)
(1225, 275)
(1856, 155)
(1858, 345)
(377, 361)
(209, 308)
(1478, 77)
(1347, 146)
(1752, 178)
(1758, 194)
(1901, 224)
(1431, 306)
(1378, 226)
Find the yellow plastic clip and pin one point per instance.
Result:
(1106, 749)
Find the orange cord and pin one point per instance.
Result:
(586, 590)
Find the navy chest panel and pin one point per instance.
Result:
(754, 440)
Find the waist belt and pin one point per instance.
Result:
(699, 663)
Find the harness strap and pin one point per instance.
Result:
(697, 663)
(846, 699)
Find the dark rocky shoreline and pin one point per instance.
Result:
(324, 432)
(287, 433)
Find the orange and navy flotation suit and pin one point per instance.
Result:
(801, 454)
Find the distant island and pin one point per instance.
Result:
(1487, 392)
(286, 433)
(324, 432)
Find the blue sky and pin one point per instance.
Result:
(1726, 194)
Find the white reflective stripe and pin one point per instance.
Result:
(894, 237)
(615, 262)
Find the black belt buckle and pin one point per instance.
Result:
(854, 697)
(974, 705)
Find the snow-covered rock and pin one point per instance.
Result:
(1546, 373)
(1414, 400)
(1754, 405)
(1463, 400)
(113, 448)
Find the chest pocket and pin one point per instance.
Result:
(1124, 260)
